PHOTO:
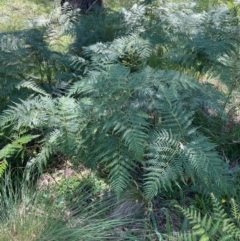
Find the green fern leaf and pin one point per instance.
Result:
(205, 162)
(235, 210)
(32, 86)
(16, 145)
(165, 163)
(213, 226)
(118, 162)
(51, 144)
(204, 237)
(3, 166)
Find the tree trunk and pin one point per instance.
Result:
(85, 5)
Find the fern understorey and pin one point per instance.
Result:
(124, 98)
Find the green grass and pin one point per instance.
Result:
(118, 4)
(14, 14)
(28, 214)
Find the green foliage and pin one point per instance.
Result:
(102, 104)
(208, 5)
(29, 214)
(132, 51)
(25, 63)
(199, 43)
(215, 226)
(120, 127)
(16, 145)
(19, 14)
(3, 166)
(125, 93)
(171, 159)
(97, 27)
(72, 190)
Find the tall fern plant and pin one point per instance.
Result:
(134, 121)
(145, 120)
(122, 120)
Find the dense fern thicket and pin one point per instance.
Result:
(129, 98)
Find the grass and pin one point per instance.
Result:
(28, 214)
(118, 4)
(14, 14)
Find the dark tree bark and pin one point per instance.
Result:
(85, 5)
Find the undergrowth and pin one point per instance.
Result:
(143, 94)
(31, 214)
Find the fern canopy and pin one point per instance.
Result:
(125, 102)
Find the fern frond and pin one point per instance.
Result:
(32, 86)
(228, 226)
(118, 161)
(176, 119)
(10, 42)
(3, 166)
(60, 88)
(213, 226)
(219, 212)
(132, 126)
(135, 135)
(171, 157)
(119, 175)
(165, 163)
(71, 123)
(132, 51)
(184, 237)
(28, 113)
(235, 210)
(134, 16)
(201, 157)
(49, 147)
(202, 227)
(16, 146)
(197, 42)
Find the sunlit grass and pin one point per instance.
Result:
(118, 4)
(14, 14)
